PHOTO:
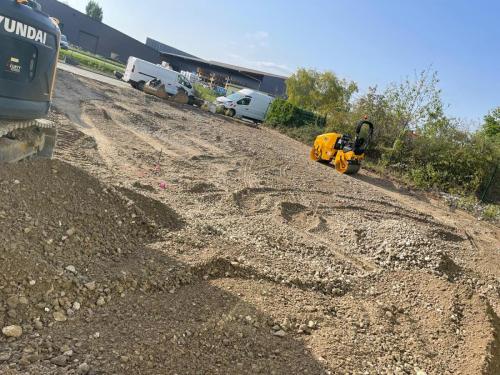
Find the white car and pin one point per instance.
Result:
(246, 103)
(64, 42)
(138, 72)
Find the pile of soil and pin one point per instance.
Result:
(78, 275)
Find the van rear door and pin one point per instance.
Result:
(129, 69)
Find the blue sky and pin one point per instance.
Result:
(371, 42)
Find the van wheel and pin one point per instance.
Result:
(140, 86)
(231, 112)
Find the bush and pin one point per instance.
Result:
(205, 93)
(491, 212)
(76, 49)
(454, 161)
(94, 63)
(282, 113)
(469, 203)
(305, 134)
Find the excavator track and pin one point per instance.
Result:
(30, 139)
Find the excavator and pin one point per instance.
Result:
(341, 151)
(29, 49)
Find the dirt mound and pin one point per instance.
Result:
(66, 230)
(72, 243)
(161, 214)
(79, 253)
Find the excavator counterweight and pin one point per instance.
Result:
(29, 41)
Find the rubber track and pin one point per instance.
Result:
(7, 127)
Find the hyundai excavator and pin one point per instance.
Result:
(29, 49)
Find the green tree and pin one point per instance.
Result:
(491, 127)
(417, 107)
(321, 92)
(94, 10)
(414, 101)
(376, 107)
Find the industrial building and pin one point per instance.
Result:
(96, 37)
(218, 73)
(101, 39)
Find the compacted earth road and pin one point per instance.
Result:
(167, 240)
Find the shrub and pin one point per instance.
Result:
(205, 93)
(491, 212)
(305, 134)
(94, 63)
(283, 113)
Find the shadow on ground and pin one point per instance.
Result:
(140, 311)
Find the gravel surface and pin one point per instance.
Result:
(167, 240)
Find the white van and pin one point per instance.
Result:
(138, 72)
(246, 103)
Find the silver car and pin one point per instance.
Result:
(64, 42)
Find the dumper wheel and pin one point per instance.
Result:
(314, 154)
(140, 85)
(345, 166)
(353, 168)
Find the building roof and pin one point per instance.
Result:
(165, 48)
(246, 70)
(225, 66)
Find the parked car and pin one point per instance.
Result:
(246, 103)
(64, 42)
(138, 72)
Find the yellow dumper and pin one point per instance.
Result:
(341, 151)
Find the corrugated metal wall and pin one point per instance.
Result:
(96, 37)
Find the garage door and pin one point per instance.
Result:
(88, 42)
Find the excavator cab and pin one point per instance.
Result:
(341, 150)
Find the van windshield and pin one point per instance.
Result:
(183, 81)
(235, 97)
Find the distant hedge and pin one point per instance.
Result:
(95, 63)
(283, 113)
